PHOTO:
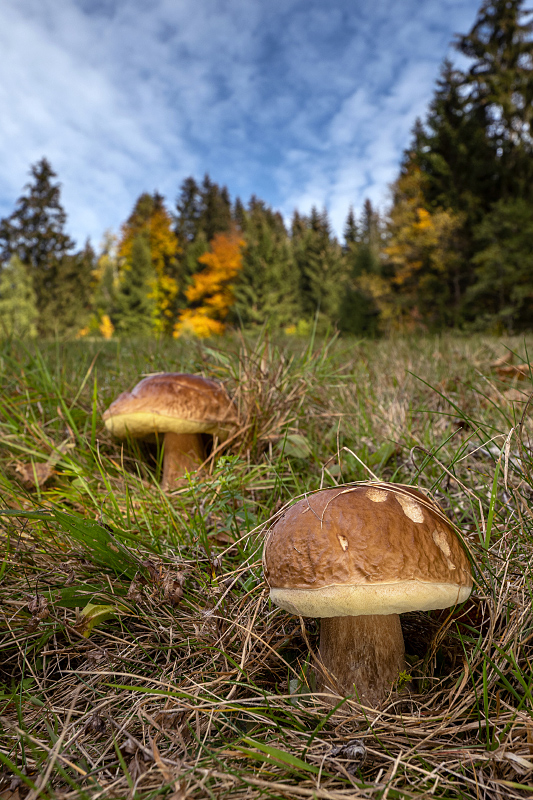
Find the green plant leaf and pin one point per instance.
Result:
(92, 615)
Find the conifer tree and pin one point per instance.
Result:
(105, 281)
(351, 231)
(321, 267)
(358, 311)
(216, 209)
(267, 286)
(35, 232)
(188, 211)
(202, 212)
(69, 302)
(151, 220)
(239, 214)
(474, 158)
(424, 256)
(453, 150)
(503, 287)
(135, 309)
(500, 81)
(18, 304)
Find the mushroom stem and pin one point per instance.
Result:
(366, 651)
(184, 452)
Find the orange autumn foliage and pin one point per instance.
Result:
(211, 293)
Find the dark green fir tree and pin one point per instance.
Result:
(35, 232)
(267, 287)
(503, 287)
(70, 298)
(358, 313)
(320, 265)
(135, 301)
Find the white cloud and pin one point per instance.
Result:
(298, 101)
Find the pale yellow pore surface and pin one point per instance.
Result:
(363, 600)
(144, 423)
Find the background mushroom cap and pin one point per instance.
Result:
(172, 402)
(367, 549)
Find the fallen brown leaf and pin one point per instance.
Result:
(34, 474)
(507, 358)
(519, 371)
(38, 608)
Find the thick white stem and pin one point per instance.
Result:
(184, 452)
(363, 655)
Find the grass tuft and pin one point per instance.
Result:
(140, 656)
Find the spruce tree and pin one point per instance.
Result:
(321, 267)
(500, 81)
(358, 313)
(267, 287)
(351, 231)
(151, 220)
(474, 158)
(188, 211)
(69, 303)
(216, 209)
(35, 232)
(239, 214)
(105, 279)
(503, 287)
(134, 313)
(18, 305)
(453, 150)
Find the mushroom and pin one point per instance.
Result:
(180, 406)
(357, 557)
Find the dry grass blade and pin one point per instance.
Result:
(196, 686)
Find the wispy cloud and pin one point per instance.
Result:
(298, 101)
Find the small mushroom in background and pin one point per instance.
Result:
(182, 408)
(357, 557)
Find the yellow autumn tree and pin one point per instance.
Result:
(151, 219)
(106, 327)
(423, 254)
(211, 294)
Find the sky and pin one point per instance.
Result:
(300, 102)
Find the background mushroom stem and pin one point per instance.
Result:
(183, 452)
(365, 651)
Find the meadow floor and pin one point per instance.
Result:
(140, 655)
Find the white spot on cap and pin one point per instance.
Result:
(410, 507)
(376, 495)
(343, 540)
(441, 540)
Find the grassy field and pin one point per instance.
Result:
(139, 653)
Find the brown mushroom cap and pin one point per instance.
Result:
(172, 402)
(367, 549)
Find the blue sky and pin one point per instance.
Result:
(301, 102)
